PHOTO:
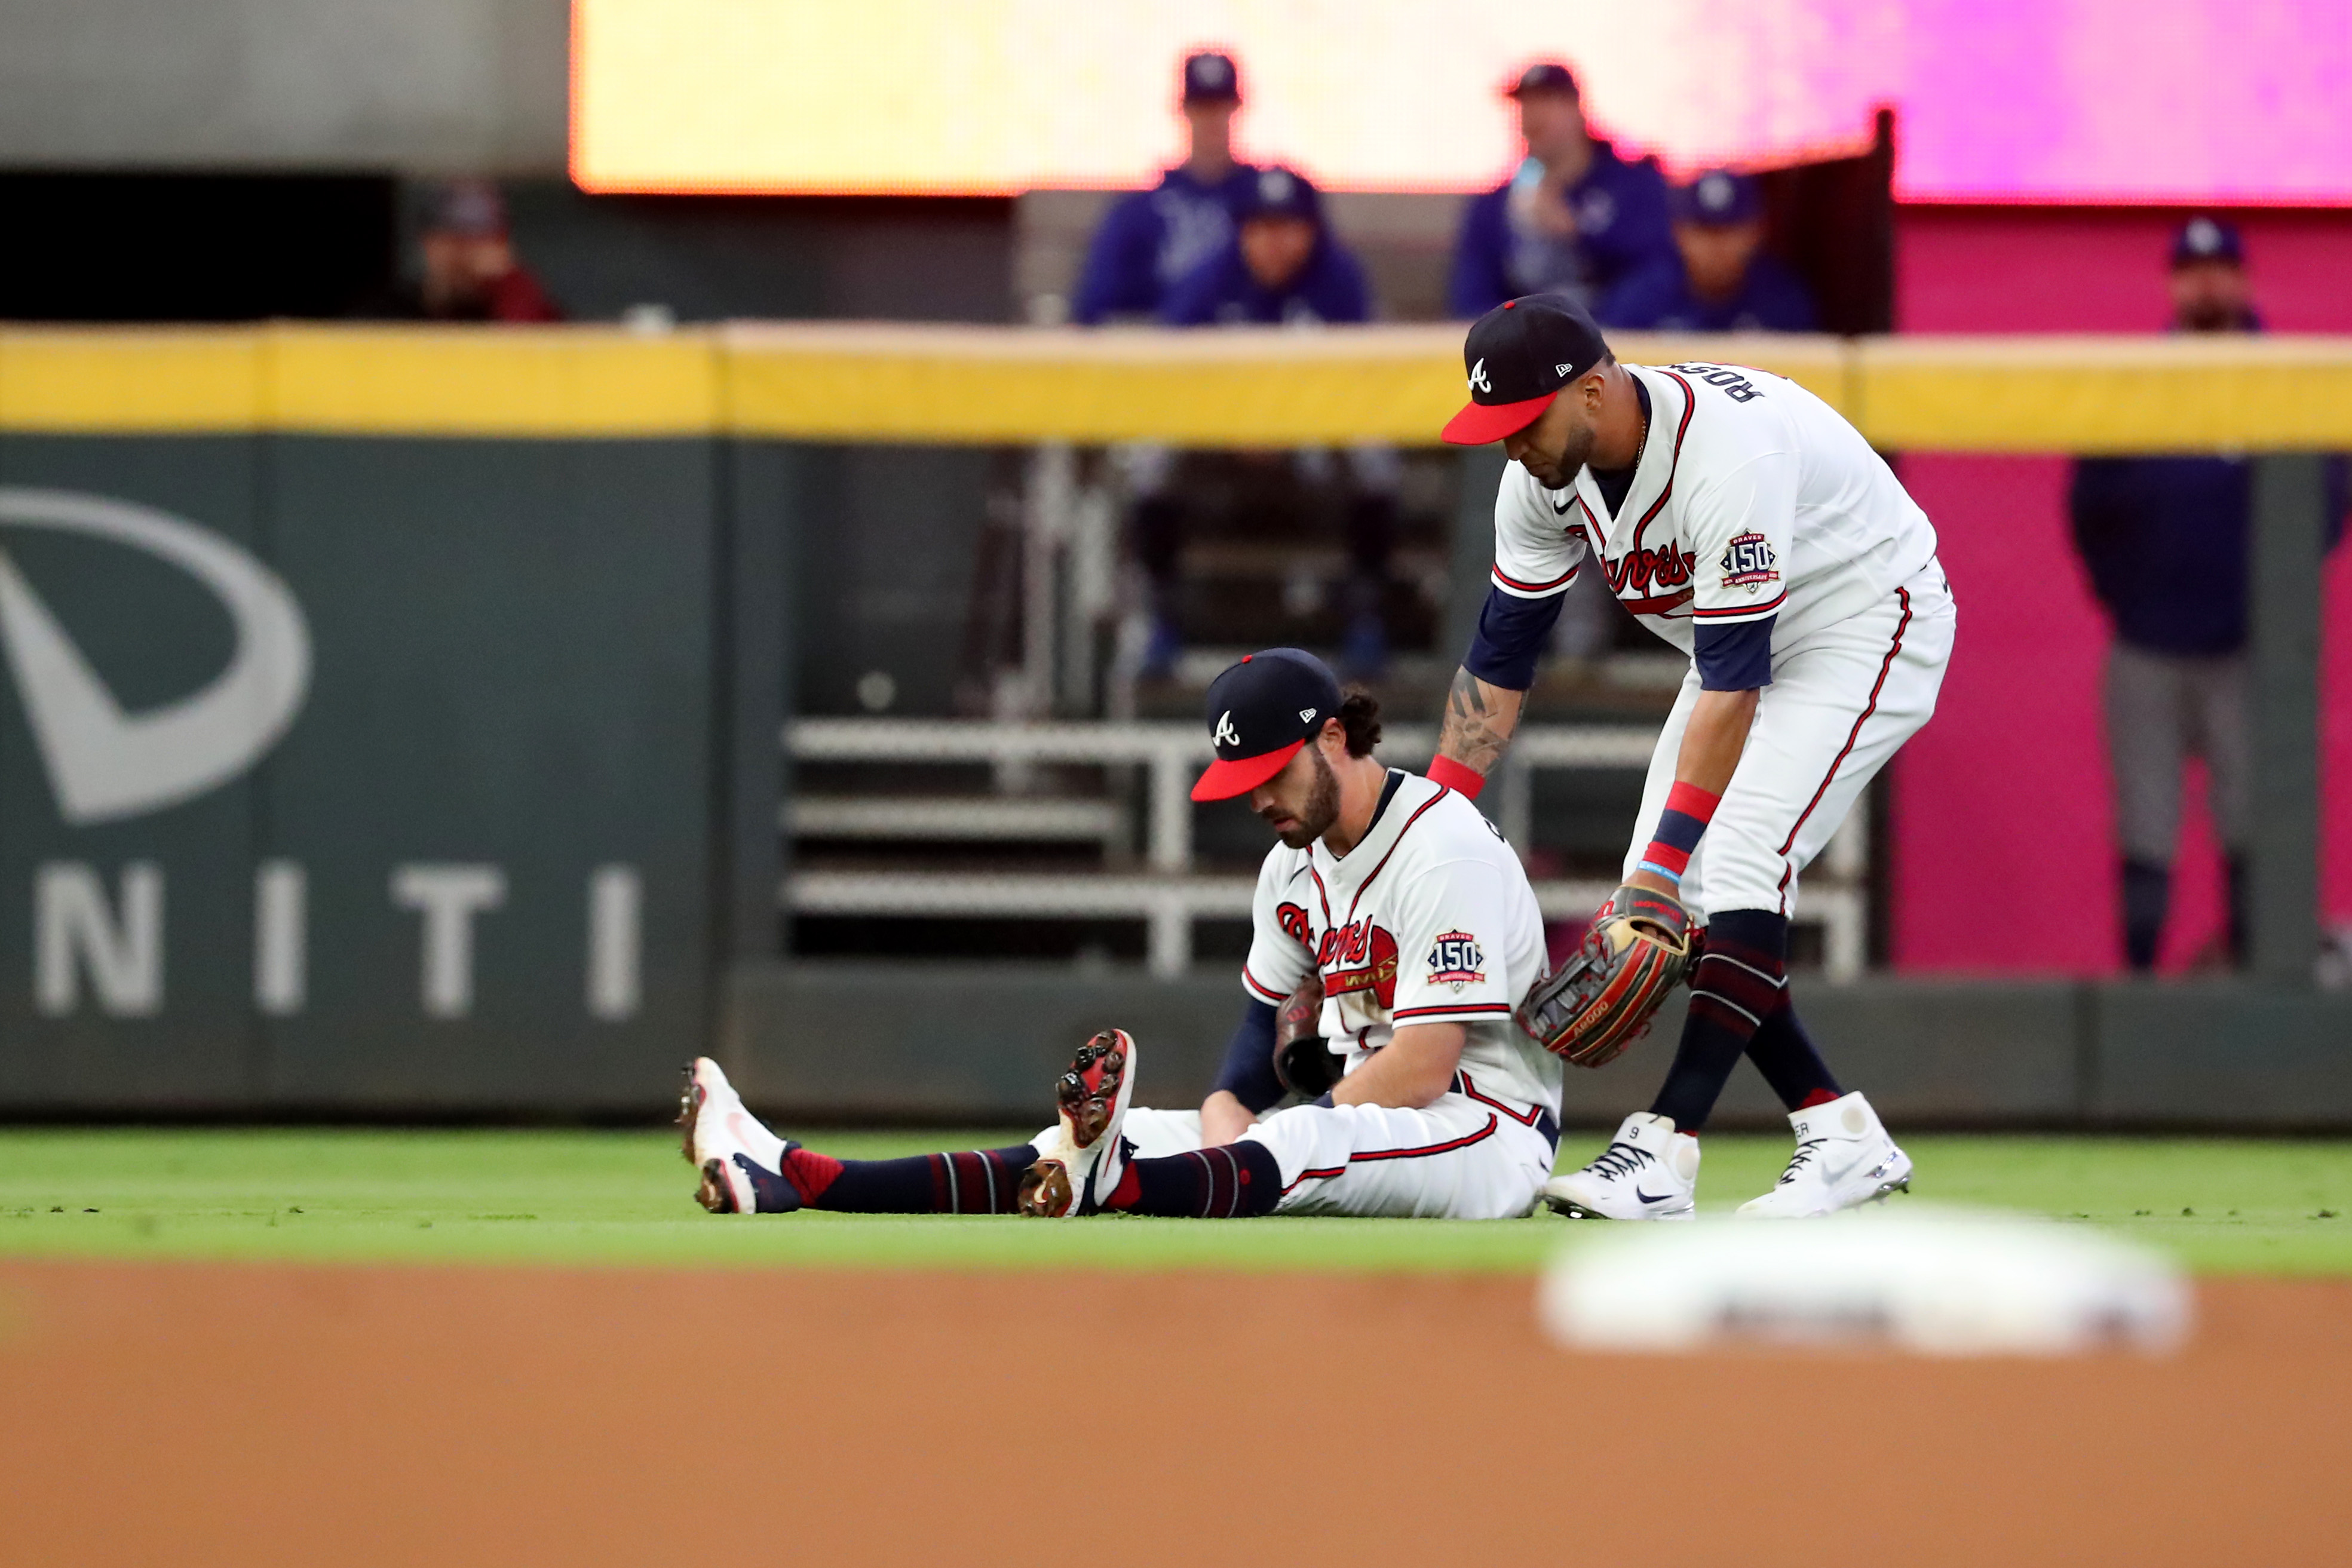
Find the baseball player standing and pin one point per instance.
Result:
(1390, 898)
(1740, 519)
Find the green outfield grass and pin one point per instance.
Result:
(573, 1197)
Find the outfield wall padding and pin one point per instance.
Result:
(981, 1044)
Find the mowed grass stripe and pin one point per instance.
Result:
(590, 1197)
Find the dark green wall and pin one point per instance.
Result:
(521, 661)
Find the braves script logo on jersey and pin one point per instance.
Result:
(1732, 383)
(1371, 954)
(1748, 562)
(1457, 959)
(1293, 921)
(1652, 580)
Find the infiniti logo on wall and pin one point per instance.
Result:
(104, 764)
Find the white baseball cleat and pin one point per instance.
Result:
(1844, 1159)
(1080, 1164)
(741, 1162)
(1648, 1172)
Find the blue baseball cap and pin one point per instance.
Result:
(1543, 76)
(1212, 77)
(1718, 199)
(1262, 713)
(1279, 193)
(2202, 238)
(1518, 356)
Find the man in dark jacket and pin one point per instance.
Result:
(1148, 240)
(2165, 541)
(1720, 279)
(1574, 219)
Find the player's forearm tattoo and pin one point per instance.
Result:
(1477, 728)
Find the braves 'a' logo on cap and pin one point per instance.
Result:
(1226, 734)
(1478, 382)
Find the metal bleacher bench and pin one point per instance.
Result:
(1170, 895)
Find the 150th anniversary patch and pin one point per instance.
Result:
(1457, 959)
(1748, 562)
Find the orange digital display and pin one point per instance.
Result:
(2102, 101)
(1001, 95)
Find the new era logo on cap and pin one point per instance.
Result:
(1520, 354)
(1261, 711)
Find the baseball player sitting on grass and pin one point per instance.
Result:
(1392, 913)
(1740, 519)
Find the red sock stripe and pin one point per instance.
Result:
(1745, 952)
(1691, 799)
(1743, 987)
(1709, 1009)
(810, 1173)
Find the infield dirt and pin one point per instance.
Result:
(249, 1415)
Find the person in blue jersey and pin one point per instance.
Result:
(1720, 279)
(2165, 541)
(1573, 220)
(1283, 266)
(1148, 240)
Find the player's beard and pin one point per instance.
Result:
(1576, 449)
(1322, 808)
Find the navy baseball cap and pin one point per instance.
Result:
(1212, 77)
(2208, 239)
(1519, 355)
(470, 207)
(1262, 712)
(1718, 199)
(1280, 193)
(1545, 76)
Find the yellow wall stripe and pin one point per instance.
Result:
(1263, 388)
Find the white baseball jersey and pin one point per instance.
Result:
(1429, 920)
(1751, 497)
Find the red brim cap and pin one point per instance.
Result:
(1224, 779)
(1480, 422)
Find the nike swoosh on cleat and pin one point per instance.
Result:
(1645, 1197)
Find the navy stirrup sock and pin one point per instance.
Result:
(1233, 1181)
(1740, 982)
(1785, 1054)
(978, 1181)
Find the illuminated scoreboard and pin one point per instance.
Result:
(2239, 100)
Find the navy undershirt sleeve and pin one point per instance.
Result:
(1511, 636)
(1735, 658)
(1248, 1073)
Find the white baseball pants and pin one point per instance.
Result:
(1842, 701)
(1457, 1158)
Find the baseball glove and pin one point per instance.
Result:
(1600, 1001)
(1301, 1060)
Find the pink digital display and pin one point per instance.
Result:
(2238, 101)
